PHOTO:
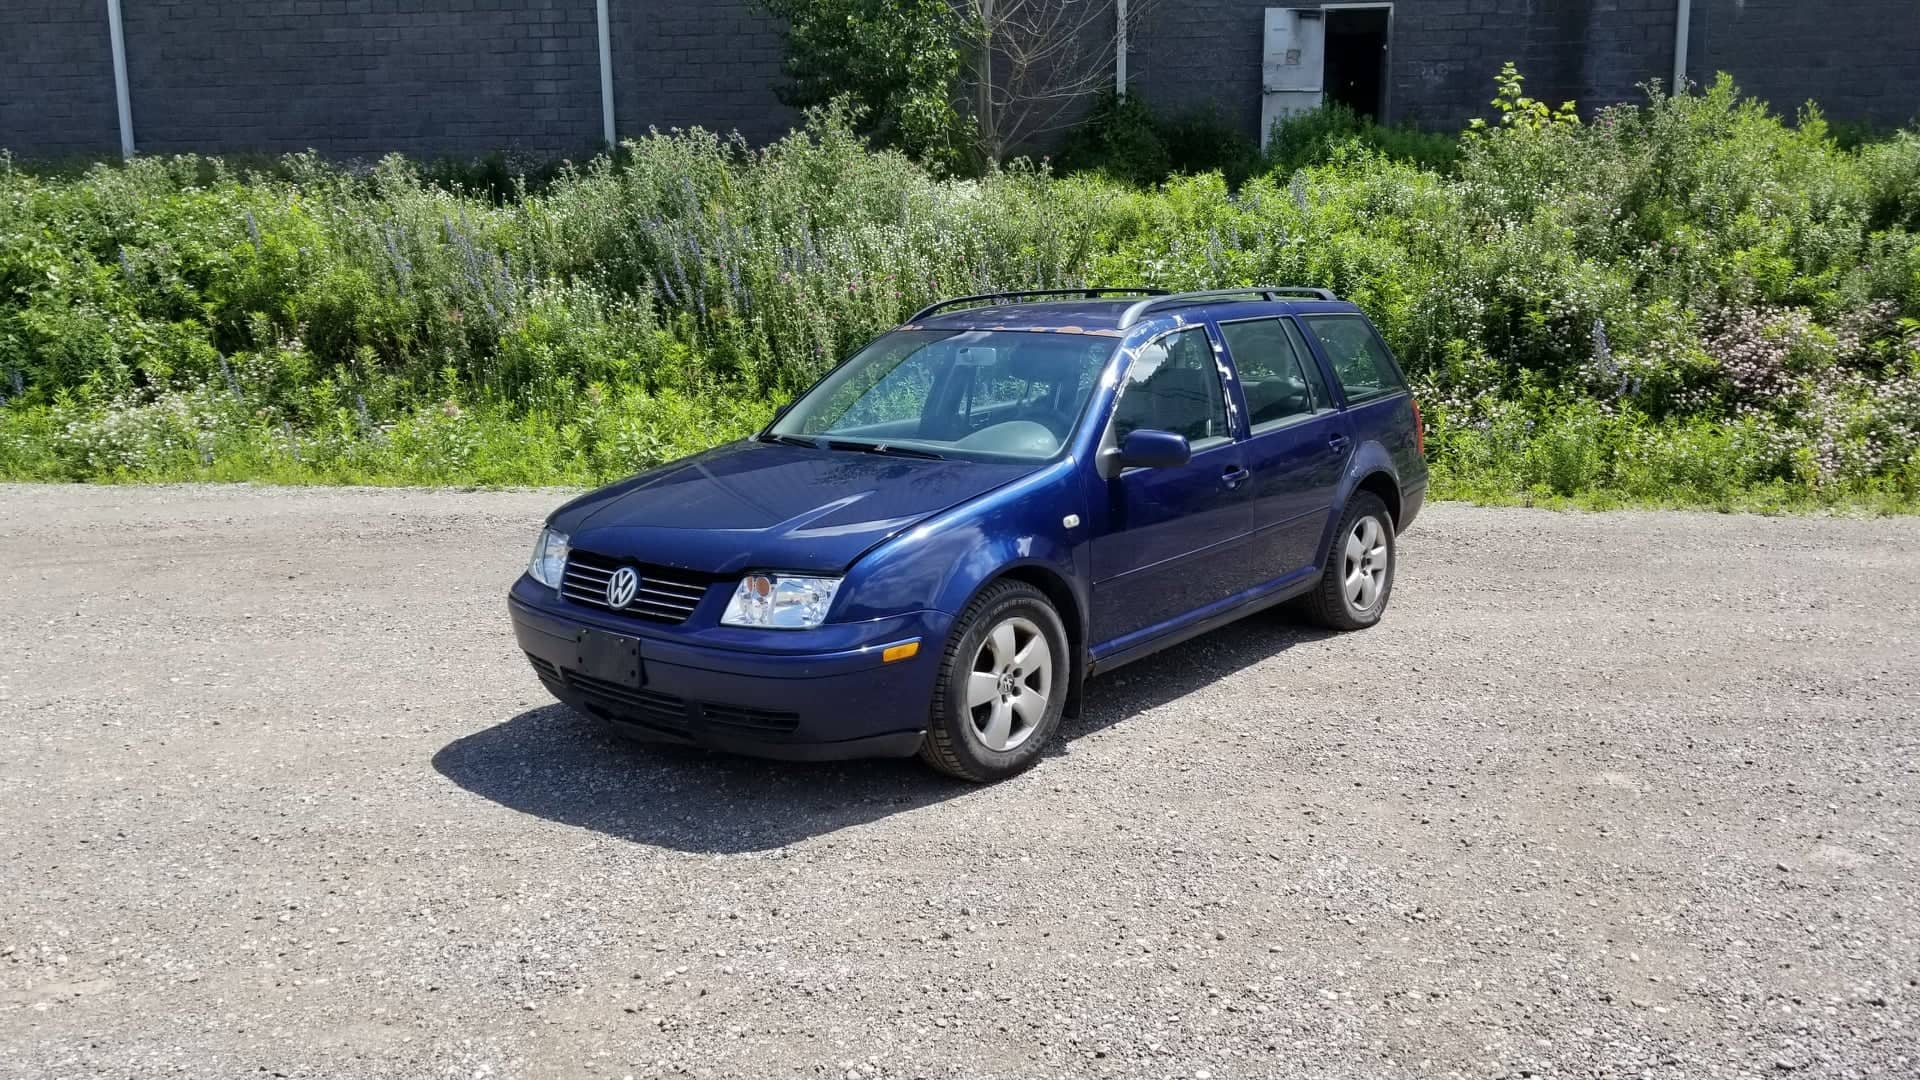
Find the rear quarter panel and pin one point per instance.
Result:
(1389, 422)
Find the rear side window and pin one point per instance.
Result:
(1277, 374)
(1173, 385)
(1359, 358)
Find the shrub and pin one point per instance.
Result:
(1120, 137)
(1202, 140)
(1892, 171)
(1125, 139)
(1687, 300)
(1314, 137)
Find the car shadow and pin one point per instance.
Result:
(556, 764)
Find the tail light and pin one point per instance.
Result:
(1419, 431)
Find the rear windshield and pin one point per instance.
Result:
(994, 394)
(1359, 358)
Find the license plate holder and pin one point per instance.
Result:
(613, 658)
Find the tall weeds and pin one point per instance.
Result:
(1686, 301)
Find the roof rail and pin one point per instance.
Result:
(1256, 292)
(1090, 293)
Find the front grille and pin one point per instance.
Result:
(654, 710)
(664, 712)
(667, 596)
(546, 669)
(742, 718)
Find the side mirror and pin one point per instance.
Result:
(1147, 449)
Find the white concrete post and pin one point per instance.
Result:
(122, 99)
(1681, 20)
(606, 74)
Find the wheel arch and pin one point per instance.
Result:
(1372, 470)
(1067, 603)
(1381, 483)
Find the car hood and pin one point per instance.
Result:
(771, 506)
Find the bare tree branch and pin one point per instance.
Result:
(1036, 60)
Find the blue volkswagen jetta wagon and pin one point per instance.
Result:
(932, 550)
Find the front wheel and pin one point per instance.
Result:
(1002, 686)
(1353, 591)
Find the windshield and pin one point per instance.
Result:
(962, 393)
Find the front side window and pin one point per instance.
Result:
(1173, 385)
(1279, 377)
(1359, 358)
(967, 393)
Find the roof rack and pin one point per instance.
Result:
(1257, 292)
(1092, 293)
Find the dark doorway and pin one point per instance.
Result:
(1356, 64)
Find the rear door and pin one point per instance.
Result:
(1378, 407)
(1298, 441)
(1171, 539)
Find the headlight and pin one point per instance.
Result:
(549, 558)
(781, 601)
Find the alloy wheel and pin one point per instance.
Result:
(1010, 683)
(1365, 574)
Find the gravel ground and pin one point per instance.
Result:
(1605, 795)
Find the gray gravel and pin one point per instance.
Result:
(1606, 795)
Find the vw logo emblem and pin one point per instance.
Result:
(621, 587)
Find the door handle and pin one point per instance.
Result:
(1234, 475)
(1337, 442)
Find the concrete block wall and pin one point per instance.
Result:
(56, 78)
(1445, 54)
(469, 77)
(1442, 56)
(362, 77)
(705, 63)
(1860, 60)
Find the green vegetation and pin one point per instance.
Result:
(961, 85)
(1688, 302)
(1126, 139)
(897, 63)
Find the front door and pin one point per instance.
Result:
(1171, 538)
(1298, 441)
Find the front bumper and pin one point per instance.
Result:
(802, 695)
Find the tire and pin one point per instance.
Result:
(1002, 685)
(1358, 581)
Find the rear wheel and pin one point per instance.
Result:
(1003, 682)
(1353, 591)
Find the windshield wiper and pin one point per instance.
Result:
(791, 440)
(883, 448)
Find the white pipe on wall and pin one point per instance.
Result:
(606, 74)
(1681, 19)
(122, 99)
(1120, 48)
